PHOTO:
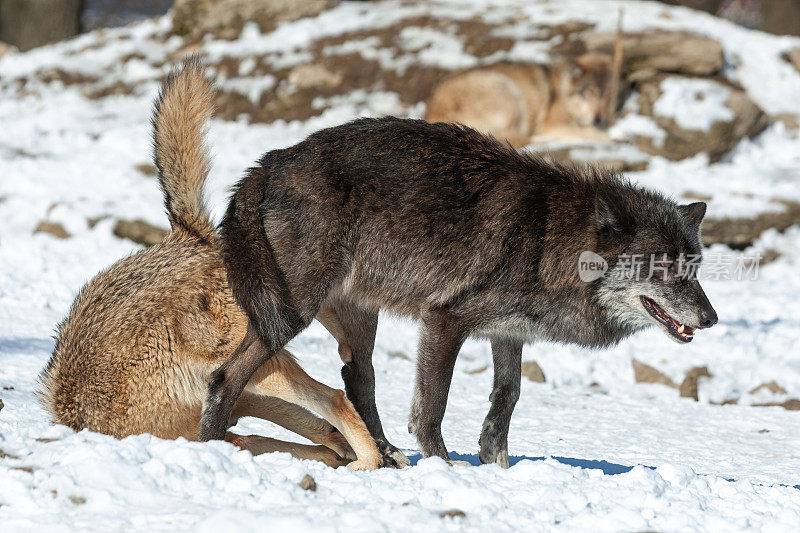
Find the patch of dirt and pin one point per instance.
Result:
(791, 404)
(116, 88)
(93, 221)
(67, 78)
(399, 355)
(688, 388)
(148, 169)
(52, 228)
(453, 513)
(644, 373)
(771, 386)
(532, 371)
(4, 455)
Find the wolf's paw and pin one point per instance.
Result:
(365, 464)
(392, 456)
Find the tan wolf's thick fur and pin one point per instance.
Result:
(137, 349)
(525, 103)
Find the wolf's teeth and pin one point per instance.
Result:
(680, 329)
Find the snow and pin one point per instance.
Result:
(591, 449)
(694, 104)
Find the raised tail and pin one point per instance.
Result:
(183, 108)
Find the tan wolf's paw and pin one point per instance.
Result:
(371, 463)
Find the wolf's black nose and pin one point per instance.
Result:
(708, 318)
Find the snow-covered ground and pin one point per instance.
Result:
(592, 449)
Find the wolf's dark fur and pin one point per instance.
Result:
(441, 223)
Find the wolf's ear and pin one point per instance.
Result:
(694, 213)
(606, 220)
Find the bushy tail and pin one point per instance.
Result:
(182, 109)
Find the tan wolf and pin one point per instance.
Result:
(137, 349)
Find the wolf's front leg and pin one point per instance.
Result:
(440, 340)
(507, 356)
(354, 329)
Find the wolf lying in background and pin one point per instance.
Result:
(525, 103)
(137, 349)
(462, 232)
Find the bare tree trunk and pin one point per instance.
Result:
(30, 23)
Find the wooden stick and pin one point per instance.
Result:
(616, 72)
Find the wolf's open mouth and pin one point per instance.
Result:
(679, 331)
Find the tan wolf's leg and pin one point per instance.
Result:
(283, 378)
(257, 445)
(295, 419)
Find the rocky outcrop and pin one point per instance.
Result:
(225, 18)
(661, 51)
(715, 129)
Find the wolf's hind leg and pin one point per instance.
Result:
(257, 445)
(440, 340)
(507, 356)
(294, 418)
(283, 378)
(357, 327)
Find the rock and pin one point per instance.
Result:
(225, 18)
(453, 513)
(1, 405)
(532, 371)
(661, 51)
(771, 386)
(53, 228)
(139, 231)
(308, 483)
(688, 388)
(399, 355)
(792, 56)
(644, 373)
(739, 233)
(313, 75)
(737, 117)
(729, 401)
(148, 169)
(6, 48)
(699, 372)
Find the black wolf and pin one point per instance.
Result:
(472, 238)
